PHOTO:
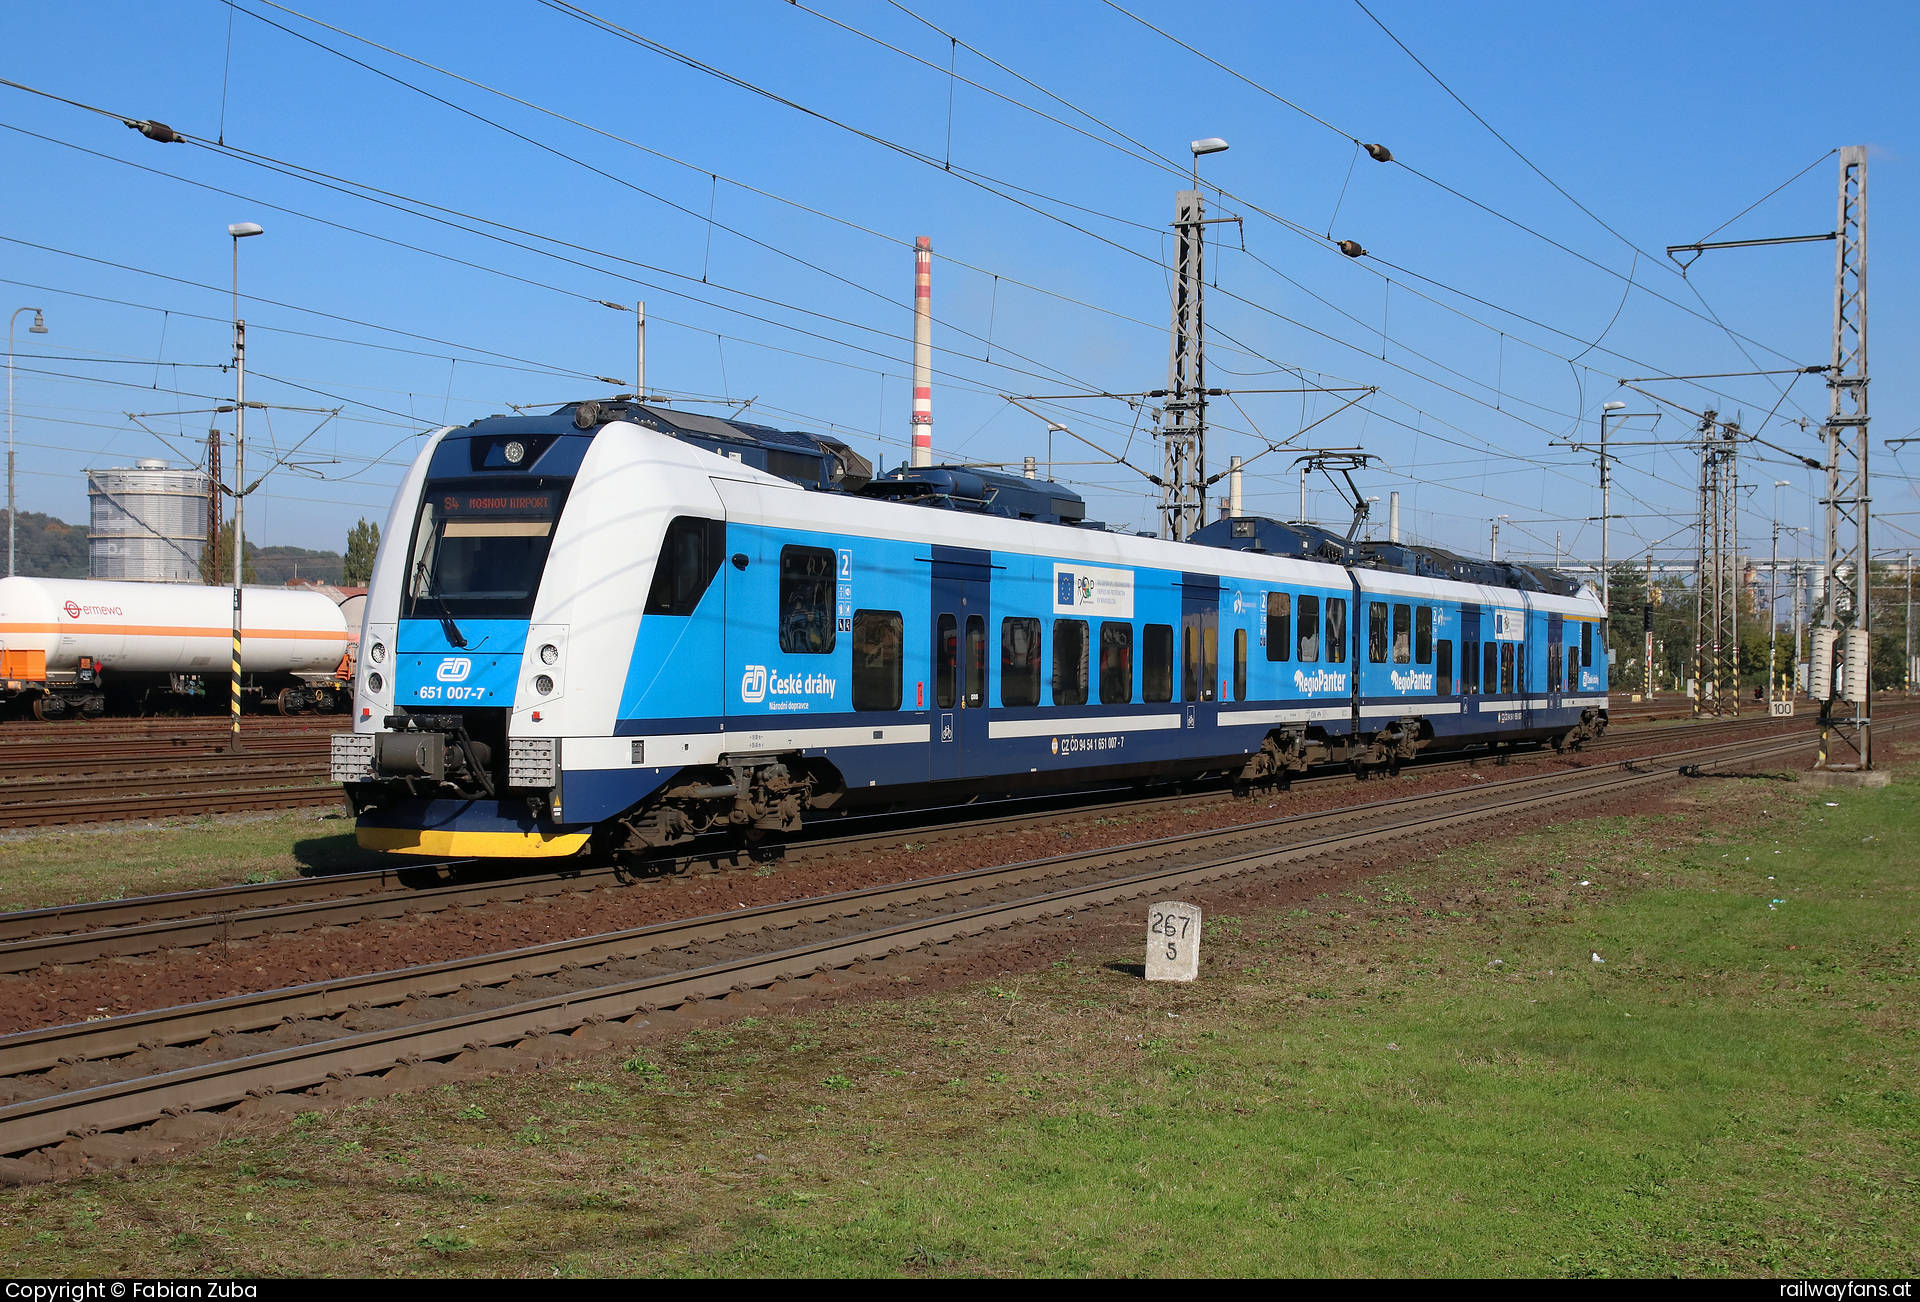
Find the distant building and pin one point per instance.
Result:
(148, 523)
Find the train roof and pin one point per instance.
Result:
(554, 443)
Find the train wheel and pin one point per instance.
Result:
(49, 708)
(290, 701)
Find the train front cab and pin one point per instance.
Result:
(431, 768)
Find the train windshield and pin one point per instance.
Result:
(478, 550)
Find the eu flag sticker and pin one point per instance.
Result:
(1065, 580)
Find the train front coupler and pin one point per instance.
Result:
(432, 755)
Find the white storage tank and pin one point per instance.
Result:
(174, 628)
(147, 522)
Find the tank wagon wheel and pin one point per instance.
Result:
(50, 709)
(290, 701)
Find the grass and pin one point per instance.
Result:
(108, 861)
(1427, 1074)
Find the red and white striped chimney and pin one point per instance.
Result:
(923, 351)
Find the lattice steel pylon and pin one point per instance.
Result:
(1716, 583)
(1846, 718)
(1183, 432)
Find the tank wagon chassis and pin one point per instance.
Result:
(83, 693)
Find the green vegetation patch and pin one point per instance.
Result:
(109, 861)
(1428, 1073)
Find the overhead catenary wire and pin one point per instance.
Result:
(1415, 373)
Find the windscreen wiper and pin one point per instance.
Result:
(424, 579)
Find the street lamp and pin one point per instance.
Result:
(1773, 601)
(238, 231)
(39, 327)
(1494, 545)
(1211, 145)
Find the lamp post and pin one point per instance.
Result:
(39, 327)
(238, 231)
(1773, 598)
(1494, 545)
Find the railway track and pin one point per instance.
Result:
(63, 1086)
(91, 778)
(47, 759)
(126, 928)
(227, 798)
(190, 729)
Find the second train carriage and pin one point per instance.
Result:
(625, 625)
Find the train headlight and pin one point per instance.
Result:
(515, 453)
(375, 682)
(543, 684)
(379, 653)
(549, 654)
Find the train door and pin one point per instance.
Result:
(1523, 680)
(1557, 675)
(1200, 648)
(1470, 685)
(960, 619)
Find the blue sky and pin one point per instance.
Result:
(772, 242)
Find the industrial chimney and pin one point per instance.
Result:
(923, 351)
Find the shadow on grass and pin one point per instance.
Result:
(321, 856)
(1128, 969)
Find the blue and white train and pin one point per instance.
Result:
(622, 626)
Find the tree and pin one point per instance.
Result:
(223, 575)
(363, 542)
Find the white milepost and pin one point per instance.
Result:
(1173, 942)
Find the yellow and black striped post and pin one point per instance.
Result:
(233, 741)
(239, 497)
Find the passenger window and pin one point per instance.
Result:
(976, 661)
(1069, 662)
(1553, 666)
(1376, 633)
(1586, 646)
(1156, 678)
(806, 600)
(690, 556)
(1239, 664)
(1336, 630)
(1491, 682)
(1443, 668)
(1309, 630)
(946, 662)
(1423, 635)
(1279, 624)
(1189, 665)
(1469, 667)
(1402, 634)
(1209, 660)
(877, 646)
(1506, 666)
(1019, 662)
(1116, 664)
